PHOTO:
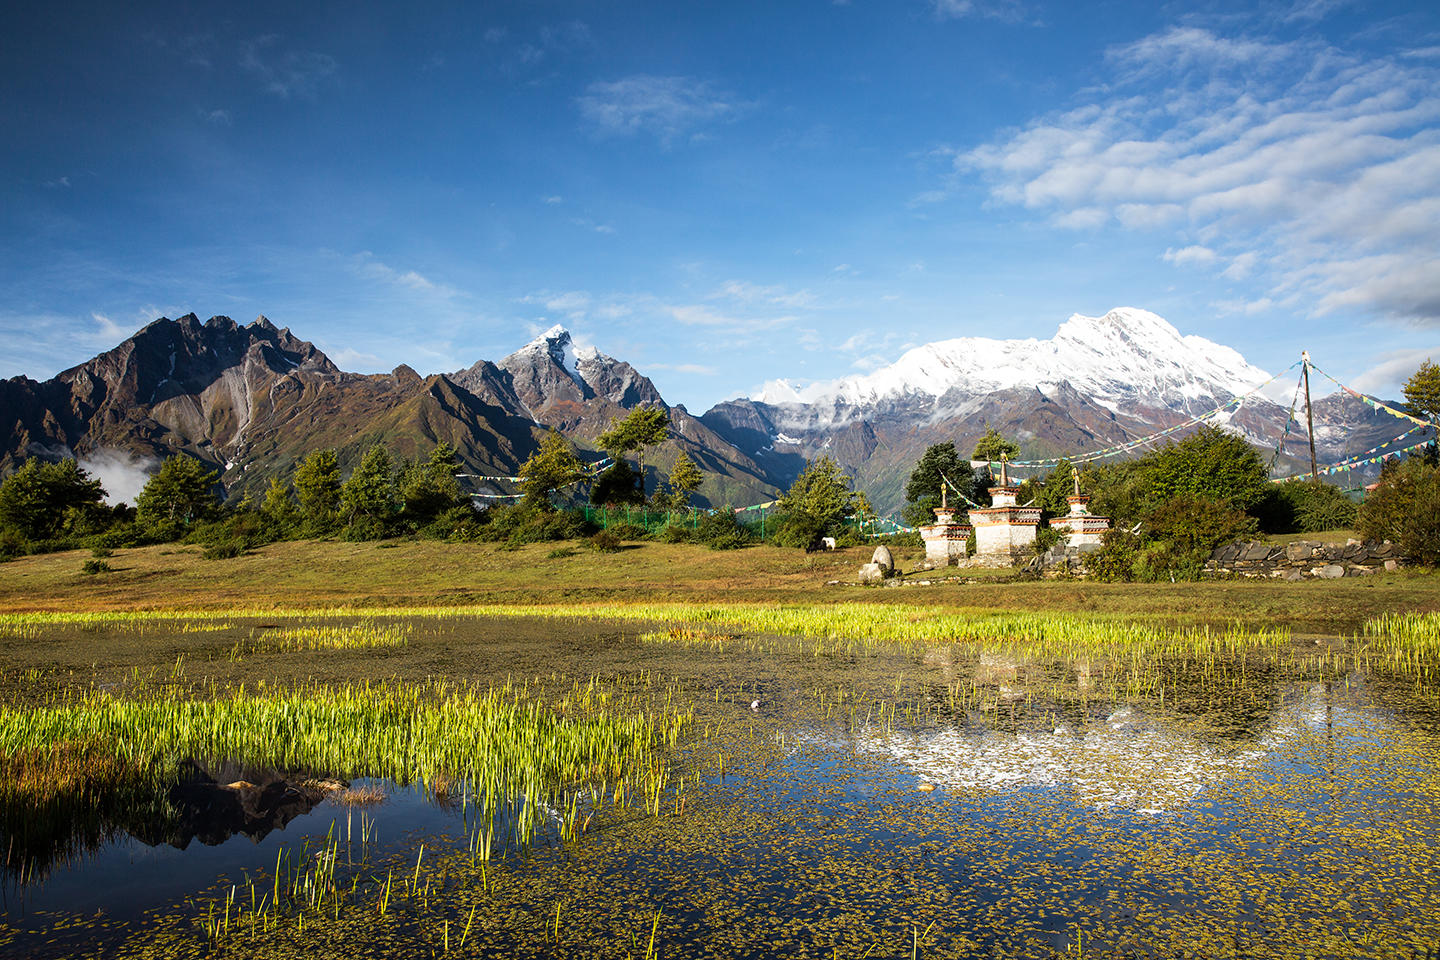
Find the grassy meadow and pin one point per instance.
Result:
(671, 751)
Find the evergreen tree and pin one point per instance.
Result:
(994, 447)
(429, 489)
(279, 507)
(922, 492)
(367, 500)
(1210, 463)
(685, 479)
(616, 486)
(180, 494)
(317, 484)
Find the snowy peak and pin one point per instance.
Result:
(552, 369)
(1127, 358)
(558, 346)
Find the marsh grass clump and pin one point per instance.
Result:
(507, 749)
(366, 635)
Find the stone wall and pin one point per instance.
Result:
(1302, 559)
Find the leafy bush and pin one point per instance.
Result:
(1405, 509)
(224, 550)
(629, 531)
(605, 541)
(533, 523)
(722, 530)
(1304, 507)
(677, 533)
(93, 567)
(101, 552)
(1114, 562)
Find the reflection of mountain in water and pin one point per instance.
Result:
(213, 807)
(1127, 760)
(192, 803)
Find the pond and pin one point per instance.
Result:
(939, 799)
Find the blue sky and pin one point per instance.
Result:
(723, 193)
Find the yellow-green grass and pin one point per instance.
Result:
(314, 574)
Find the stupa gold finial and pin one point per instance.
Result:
(1075, 475)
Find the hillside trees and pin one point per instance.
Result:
(685, 479)
(42, 501)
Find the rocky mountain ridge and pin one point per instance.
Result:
(251, 400)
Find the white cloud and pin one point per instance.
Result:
(288, 72)
(553, 200)
(1190, 255)
(220, 118)
(991, 9)
(121, 473)
(775, 294)
(665, 107)
(109, 332)
(1390, 370)
(1312, 171)
(367, 266)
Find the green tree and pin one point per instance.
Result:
(1211, 464)
(994, 447)
(1422, 392)
(367, 500)
(37, 499)
(551, 467)
(640, 428)
(616, 485)
(317, 484)
(429, 488)
(922, 493)
(279, 507)
(1051, 492)
(816, 505)
(685, 479)
(180, 494)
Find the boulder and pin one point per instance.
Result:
(872, 573)
(1331, 571)
(883, 557)
(1293, 575)
(1391, 566)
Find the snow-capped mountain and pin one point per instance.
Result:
(1127, 358)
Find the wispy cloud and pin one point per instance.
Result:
(287, 72)
(1314, 171)
(698, 369)
(367, 266)
(1011, 10)
(664, 107)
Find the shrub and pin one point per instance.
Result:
(605, 541)
(722, 530)
(1114, 562)
(93, 567)
(1405, 509)
(560, 553)
(629, 531)
(101, 552)
(677, 533)
(224, 550)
